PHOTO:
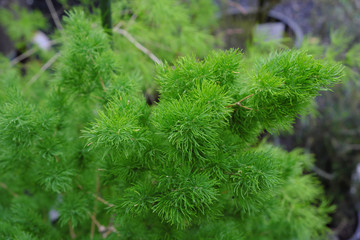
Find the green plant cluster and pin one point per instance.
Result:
(332, 132)
(189, 167)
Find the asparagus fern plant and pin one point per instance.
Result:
(191, 167)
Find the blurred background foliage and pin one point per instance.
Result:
(181, 27)
(169, 28)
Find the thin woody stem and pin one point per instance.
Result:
(21, 57)
(111, 229)
(27, 54)
(72, 232)
(103, 200)
(105, 231)
(146, 51)
(239, 103)
(93, 216)
(92, 230)
(245, 98)
(244, 107)
(4, 186)
(100, 199)
(43, 69)
(95, 221)
(54, 14)
(102, 84)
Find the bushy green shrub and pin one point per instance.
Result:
(189, 167)
(332, 132)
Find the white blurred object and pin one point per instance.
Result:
(270, 31)
(41, 40)
(53, 215)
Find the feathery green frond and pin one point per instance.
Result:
(119, 126)
(84, 155)
(73, 209)
(188, 196)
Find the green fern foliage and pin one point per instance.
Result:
(281, 89)
(85, 56)
(187, 167)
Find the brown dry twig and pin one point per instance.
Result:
(54, 14)
(72, 232)
(103, 200)
(105, 231)
(43, 69)
(322, 173)
(239, 103)
(100, 199)
(129, 37)
(4, 186)
(21, 57)
(28, 53)
(93, 222)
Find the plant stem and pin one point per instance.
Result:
(43, 69)
(21, 57)
(239, 103)
(4, 186)
(92, 231)
(103, 201)
(72, 232)
(54, 15)
(138, 45)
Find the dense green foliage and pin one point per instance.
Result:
(331, 133)
(189, 167)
